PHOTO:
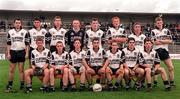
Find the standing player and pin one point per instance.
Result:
(59, 65)
(40, 58)
(162, 37)
(114, 65)
(36, 32)
(116, 33)
(57, 33)
(138, 36)
(95, 32)
(17, 41)
(75, 32)
(132, 62)
(96, 57)
(152, 65)
(77, 59)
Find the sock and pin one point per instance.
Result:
(166, 82)
(10, 83)
(155, 82)
(148, 85)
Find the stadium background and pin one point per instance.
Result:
(172, 21)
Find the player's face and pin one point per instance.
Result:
(137, 29)
(39, 44)
(17, 24)
(148, 45)
(77, 44)
(95, 25)
(57, 22)
(37, 24)
(59, 46)
(131, 44)
(76, 24)
(95, 44)
(116, 22)
(159, 24)
(114, 46)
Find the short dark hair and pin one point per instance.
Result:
(17, 19)
(95, 39)
(39, 39)
(37, 19)
(130, 39)
(148, 40)
(76, 39)
(94, 19)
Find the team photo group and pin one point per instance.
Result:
(83, 59)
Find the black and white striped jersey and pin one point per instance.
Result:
(39, 59)
(59, 60)
(163, 34)
(96, 58)
(132, 57)
(17, 39)
(34, 34)
(115, 59)
(113, 33)
(76, 58)
(90, 35)
(139, 41)
(56, 35)
(151, 58)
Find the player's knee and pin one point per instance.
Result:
(171, 68)
(147, 70)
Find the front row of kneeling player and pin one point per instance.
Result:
(128, 63)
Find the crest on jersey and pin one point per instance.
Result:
(165, 32)
(91, 34)
(12, 34)
(99, 34)
(37, 55)
(114, 32)
(135, 53)
(43, 32)
(63, 57)
(53, 33)
(118, 56)
(22, 34)
(99, 54)
(152, 55)
(34, 33)
(141, 38)
(44, 53)
(62, 32)
(74, 56)
(121, 31)
(82, 55)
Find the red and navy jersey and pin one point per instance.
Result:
(17, 39)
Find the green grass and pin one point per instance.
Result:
(157, 93)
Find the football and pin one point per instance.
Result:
(97, 87)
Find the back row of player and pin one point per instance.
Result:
(18, 39)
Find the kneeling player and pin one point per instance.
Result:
(77, 57)
(152, 65)
(40, 60)
(114, 65)
(95, 58)
(59, 66)
(132, 61)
